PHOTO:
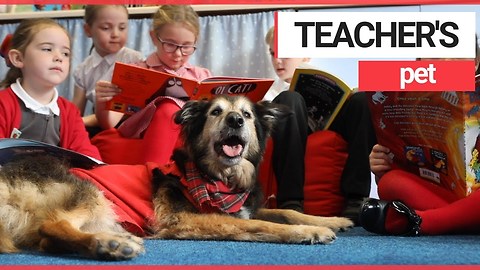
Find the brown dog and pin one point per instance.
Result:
(209, 192)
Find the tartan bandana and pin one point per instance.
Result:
(211, 195)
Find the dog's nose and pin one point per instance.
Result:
(235, 120)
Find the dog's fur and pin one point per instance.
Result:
(44, 207)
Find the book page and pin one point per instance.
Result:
(15, 148)
(425, 133)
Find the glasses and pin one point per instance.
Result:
(170, 47)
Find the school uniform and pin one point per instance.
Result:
(69, 132)
(95, 68)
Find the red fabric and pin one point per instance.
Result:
(135, 125)
(211, 195)
(415, 191)
(324, 160)
(129, 187)
(162, 134)
(116, 149)
(73, 135)
(157, 145)
(442, 212)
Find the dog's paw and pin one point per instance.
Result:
(340, 224)
(313, 235)
(334, 223)
(122, 246)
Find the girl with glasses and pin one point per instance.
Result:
(175, 31)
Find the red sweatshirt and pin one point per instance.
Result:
(73, 135)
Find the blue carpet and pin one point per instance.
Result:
(355, 247)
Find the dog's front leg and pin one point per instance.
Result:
(285, 216)
(224, 227)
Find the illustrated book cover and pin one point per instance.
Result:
(435, 135)
(323, 92)
(140, 86)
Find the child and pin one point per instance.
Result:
(31, 108)
(107, 25)
(352, 123)
(174, 33)
(416, 206)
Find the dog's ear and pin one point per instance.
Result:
(191, 110)
(269, 113)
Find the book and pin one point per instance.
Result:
(435, 135)
(323, 92)
(14, 148)
(140, 86)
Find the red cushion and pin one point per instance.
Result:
(324, 160)
(116, 149)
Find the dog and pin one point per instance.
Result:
(209, 191)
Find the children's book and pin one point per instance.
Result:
(323, 92)
(435, 135)
(140, 86)
(15, 148)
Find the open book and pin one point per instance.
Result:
(14, 148)
(435, 135)
(140, 86)
(324, 94)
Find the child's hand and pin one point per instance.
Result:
(105, 91)
(380, 161)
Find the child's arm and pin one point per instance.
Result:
(104, 91)
(380, 162)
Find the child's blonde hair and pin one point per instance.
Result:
(22, 37)
(183, 14)
(91, 12)
(269, 36)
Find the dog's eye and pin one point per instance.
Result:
(216, 112)
(247, 114)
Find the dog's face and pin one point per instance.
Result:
(226, 136)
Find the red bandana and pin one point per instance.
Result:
(211, 195)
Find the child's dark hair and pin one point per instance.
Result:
(22, 37)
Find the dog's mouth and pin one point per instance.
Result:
(231, 147)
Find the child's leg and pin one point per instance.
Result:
(458, 217)
(417, 193)
(288, 156)
(161, 136)
(440, 210)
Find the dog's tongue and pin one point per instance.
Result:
(232, 150)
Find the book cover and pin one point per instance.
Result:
(432, 134)
(140, 86)
(324, 95)
(14, 148)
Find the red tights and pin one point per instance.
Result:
(441, 211)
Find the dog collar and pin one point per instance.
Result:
(211, 195)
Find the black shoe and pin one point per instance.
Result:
(352, 208)
(373, 213)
